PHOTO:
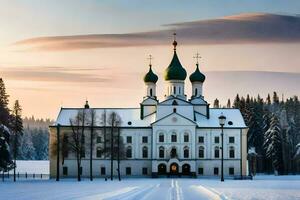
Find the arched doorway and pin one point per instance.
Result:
(174, 169)
(161, 169)
(186, 169)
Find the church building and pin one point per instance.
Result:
(177, 135)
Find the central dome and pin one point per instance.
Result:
(175, 71)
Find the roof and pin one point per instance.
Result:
(150, 77)
(133, 115)
(197, 76)
(231, 114)
(126, 114)
(175, 71)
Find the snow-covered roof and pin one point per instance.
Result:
(130, 116)
(232, 115)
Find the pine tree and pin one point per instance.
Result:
(6, 162)
(27, 150)
(4, 110)
(216, 103)
(228, 103)
(273, 144)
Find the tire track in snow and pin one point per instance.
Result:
(175, 192)
(210, 192)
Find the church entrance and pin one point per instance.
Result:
(174, 169)
(162, 169)
(186, 169)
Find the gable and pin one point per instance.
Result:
(174, 119)
(175, 101)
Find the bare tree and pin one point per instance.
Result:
(92, 117)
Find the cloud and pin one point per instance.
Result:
(53, 74)
(243, 28)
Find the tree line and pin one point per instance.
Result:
(274, 131)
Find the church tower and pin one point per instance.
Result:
(197, 79)
(175, 75)
(150, 80)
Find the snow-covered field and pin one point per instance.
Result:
(263, 187)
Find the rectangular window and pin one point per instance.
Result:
(129, 139)
(186, 138)
(65, 171)
(200, 139)
(231, 139)
(99, 152)
(231, 171)
(173, 138)
(128, 170)
(201, 153)
(80, 170)
(200, 170)
(99, 139)
(161, 138)
(145, 139)
(82, 153)
(216, 171)
(145, 170)
(217, 140)
(103, 171)
(217, 153)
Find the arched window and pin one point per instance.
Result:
(217, 152)
(173, 137)
(186, 152)
(129, 152)
(186, 137)
(161, 152)
(151, 92)
(201, 152)
(196, 91)
(231, 152)
(145, 152)
(99, 152)
(174, 89)
(161, 137)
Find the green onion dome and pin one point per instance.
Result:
(150, 77)
(197, 76)
(175, 71)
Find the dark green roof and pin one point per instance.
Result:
(197, 76)
(150, 77)
(175, 71)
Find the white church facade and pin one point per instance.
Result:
(178, 135)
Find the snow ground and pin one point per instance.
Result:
(32, 167)
(262, 187)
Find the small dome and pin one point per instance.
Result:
(175, 71)
(197, 76)
(150, 77)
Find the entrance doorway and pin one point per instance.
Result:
(186, 169)
(174, 169)
(162, 169)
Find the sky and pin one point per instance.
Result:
(62, 52)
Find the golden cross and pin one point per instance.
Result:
(150, 58)
(197, 57)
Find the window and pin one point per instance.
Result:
(231, 139)
(186, 152)
(129, 139)
(65, 149)
(99, 152)
(145, 152)
(200, 170)
(161, 152)
(196, 91)
(82, 153)
(216, 171)
(179, 90)
(161, 138)
(103, 171)
(145, 139)
(201, 152)
(128, 170)
(200, 139)
(174, 90)
(151, 92)
(231, 152)
(65, 171)
(186, 137)
(99, 139)
(80, 170)
(231, 171)
(129, 152)
(145, 170)
(217, 152)
(174, 137)
(217, 140)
